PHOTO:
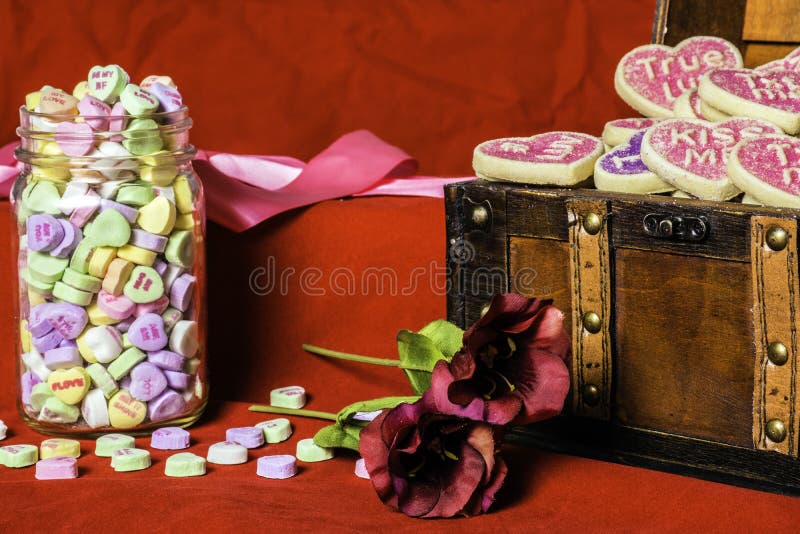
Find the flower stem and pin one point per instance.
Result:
(292, 411)
(387, 362)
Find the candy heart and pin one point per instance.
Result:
(158, 216)
(649, 78)
(38, 325)
(183, 338)
(48, 341)
(556, 158)
(170, 438)
(44, 232)
(94, 409)
(147, 333)
(69, 385)
(120, 307)
(185, 464)
(168, 405)
(124, 411)
(110, 228)
(117, 120)
(142, 137)
(104, 342)
(619, 131)
(768, 168)
(137, 101)
(144, 285)
(154, 78)
(622, 169)
(773, 96)
(67, 319)
(147, 381)
(169, 97)
(106, 83)
(692, 154)
(158, 306)
(72, 237)
(790, 62)
(80, 90)
(57, 102)
(180, 249)
(45, 267)
(95, 112)
(41, 197)
(117, 275)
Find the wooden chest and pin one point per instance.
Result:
(683, 313)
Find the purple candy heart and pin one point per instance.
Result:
(147, 381)
(170, 438)
(125, 325)
(177, 380)
(128, 212)
(68, 343)
(182, 291)
(169, 98)
(166, 359)
(38, 325)
(48, 341)
(28, 380)
(247, 436)
(68, 319)
(626, 159)
(44, 232)
(147, 332)
(146, 240)
(72, 236)
(62, 358)
(168, 405)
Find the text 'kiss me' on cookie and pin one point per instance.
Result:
(650, 78)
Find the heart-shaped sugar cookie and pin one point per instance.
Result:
(649, 78)
(619, 131)
(790, 62)
(622, 169)
(773, 96)
(69, 385)
(768, 168)
(554, 158)
(692, 154)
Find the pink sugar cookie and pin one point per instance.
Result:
(692, 154)
(790, 62)
(768, 168)
(649, 78)
(620, 131)
(554, 158)
(773, 96)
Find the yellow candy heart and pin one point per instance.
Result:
(69, 385)
(124, 411)
(24, 336)
(157, 216)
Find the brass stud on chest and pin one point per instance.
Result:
(777, 353)
(776, 430)
(592, 223)
(591, 322)
(777, 238)
(590, 395)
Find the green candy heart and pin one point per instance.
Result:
(135, 195)
(137, 101)
(180, 249)
(81, 256)
(80, 280)
(110, 228)
(106, 83)
(36, 285)
(46, 267)
(41, 197)
(142, 137)
(145, 285)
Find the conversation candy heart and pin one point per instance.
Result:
(277, 466)
(692, 154)
(170, 438)
(109, 228)
(124, 411)
(185, 464)
(227, 453)
(147, 333)
(56, 468)
(137, 101)
(126, 459)
(768, 168)
(622, 169)
(95, 112)
(106, 83)
(57, 102)
(142, 137)
(154, 78)
(773, 96)
(44, 232)
(72, 236)
(183, 338)
(104, 342)
(67, 319)
(169, 98)
(147, 381)
(116, 307)
(144, 285)
(649, 78)
(69, 385)
(117, 275)
(166, 406)
(41, 197)
(556, 158)
(157, 216)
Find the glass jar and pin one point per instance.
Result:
(111, 274)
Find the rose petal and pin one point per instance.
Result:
(498, 476)
(441, 379)
(460, 484)
(542, 386)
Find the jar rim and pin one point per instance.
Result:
(181, 112)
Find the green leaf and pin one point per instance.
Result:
(420, 354)
(346, 414)
(335, 436)
(445, 335)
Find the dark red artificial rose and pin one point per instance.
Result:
(426, 464)
(512, 365)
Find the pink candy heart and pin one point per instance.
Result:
(119, 308)
(651, 77)
(74, 138)
(95, 112)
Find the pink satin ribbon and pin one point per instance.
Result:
(243, 191)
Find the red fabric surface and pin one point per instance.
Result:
(434, 78)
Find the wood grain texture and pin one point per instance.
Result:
(684, 345)
(454, 221)
(539, 268)
(755, 54)
(676, 20)
(776, 305)
(537, 213)
(772, 20)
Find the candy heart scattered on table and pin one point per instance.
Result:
(105, 445)
(185, 464)
(170, 438)
(308, 451)
(288, 397)
(276, 430)
(124, 411)
(650, 77)
(56, 468)
(622, 169)
(130, 459)
(773, 95)
(360, 469)
(51, 448)
(227, 453)
(768, 168)
(277, 466)
(17, 456)
(247, 436)
(692, 154)
(107, 83)
(69, 385)
(554, 158)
